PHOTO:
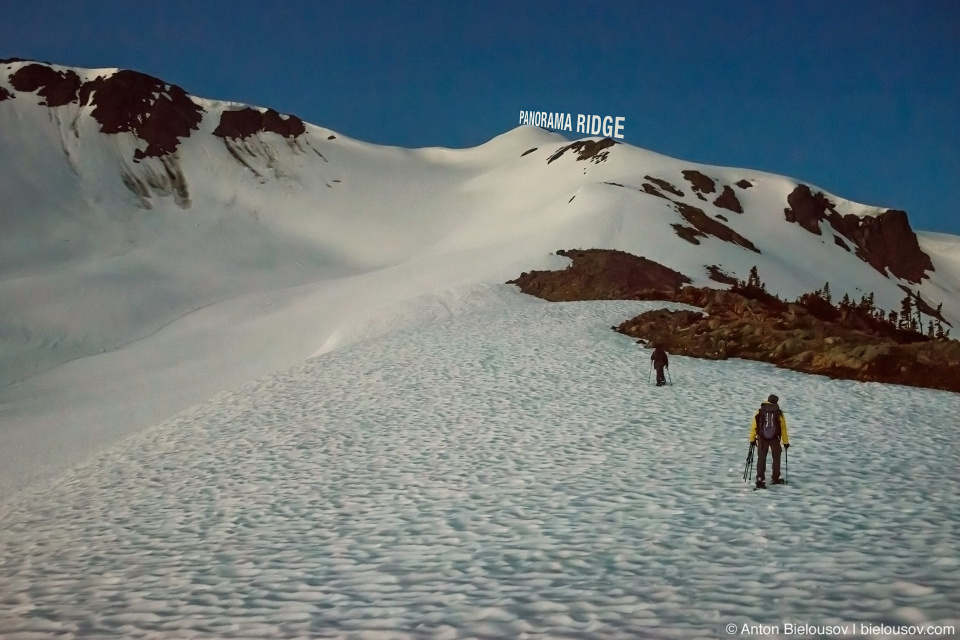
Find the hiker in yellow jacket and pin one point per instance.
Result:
(769, 429)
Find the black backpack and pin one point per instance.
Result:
(768, 423)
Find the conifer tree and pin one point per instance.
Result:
(826, 293)
(906, 313)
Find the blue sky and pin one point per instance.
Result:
(859, 98)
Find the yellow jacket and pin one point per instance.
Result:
(784, 438)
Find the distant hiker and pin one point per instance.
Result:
(660, 361)
(769, 428)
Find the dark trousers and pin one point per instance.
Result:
(661, 379)
(762, 447)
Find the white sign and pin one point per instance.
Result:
(590, 125)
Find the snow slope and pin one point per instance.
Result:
(132, 289)
(503, 470)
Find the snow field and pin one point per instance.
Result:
(506, 472)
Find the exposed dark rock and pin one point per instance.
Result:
(709, 226)
(884, 242)
(243, 123)
(160, 114)
(5, 95)
(807, 209)
(528, 151)
(791, 338)
(688, 233)
(721, 217)
(58, 87)
(728, 200)
(666, 186)
(744, 184)
(840, 243)
(571, 199)
(717, 275)
(593, 150)
(615, 184)
(600, 274)
(12, 60)
(760, 327)
(331, 137)
(652, 190)
(700, 182)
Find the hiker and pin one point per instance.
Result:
(660, 361)
(769, 429)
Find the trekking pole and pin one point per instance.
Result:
(786, 464)
(669, 377)
(649, 373)
(746, 467)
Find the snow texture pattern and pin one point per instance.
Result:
(508, 473)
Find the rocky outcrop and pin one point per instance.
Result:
(601, 274)
(718, 275)
(701, 183)
(884, 242)
(744, 184)
(666, 186)
(57, 87)
(243, 123)
(807, 209)
(160, 114)
(5, 95)
(749, 323)
(707, 225)
(792, 338)
(157, 113)
(728, 200)
(596, 151)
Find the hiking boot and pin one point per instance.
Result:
(779, 481)
(761, 484)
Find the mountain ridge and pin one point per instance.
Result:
(91, 152)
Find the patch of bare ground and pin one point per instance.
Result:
(596, 151)
(5, 95)
(810, 335)
(744, 184)
(528, 151)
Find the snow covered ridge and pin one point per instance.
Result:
(134, 212)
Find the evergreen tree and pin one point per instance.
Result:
(906, 313)
(753, 280)
(892, 319)
(940, 335)
(846, 304)
(930, 329)
(826, 293)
